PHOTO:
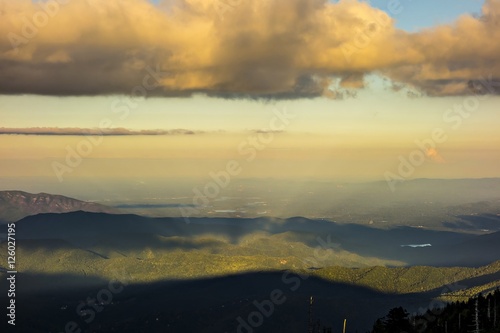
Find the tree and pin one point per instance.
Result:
(379, 326)
(397, 321)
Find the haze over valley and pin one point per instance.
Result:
(252, 166)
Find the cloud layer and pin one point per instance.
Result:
(238, 48)
(90, 131)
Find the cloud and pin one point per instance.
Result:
(236, 49)
(353, 80)
(267, 131)
(90, 131)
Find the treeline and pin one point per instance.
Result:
(480, 314)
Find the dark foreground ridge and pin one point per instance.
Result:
(261, 302)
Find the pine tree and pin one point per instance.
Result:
(379, 326)
(476, 316)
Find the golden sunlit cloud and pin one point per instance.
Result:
(261, 48)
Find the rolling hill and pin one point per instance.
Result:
(204, 275)
(289, 241)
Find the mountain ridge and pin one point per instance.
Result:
(15, 205)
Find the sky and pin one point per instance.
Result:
(354, 90)
(415, 15)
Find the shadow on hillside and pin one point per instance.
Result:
(46, 303)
